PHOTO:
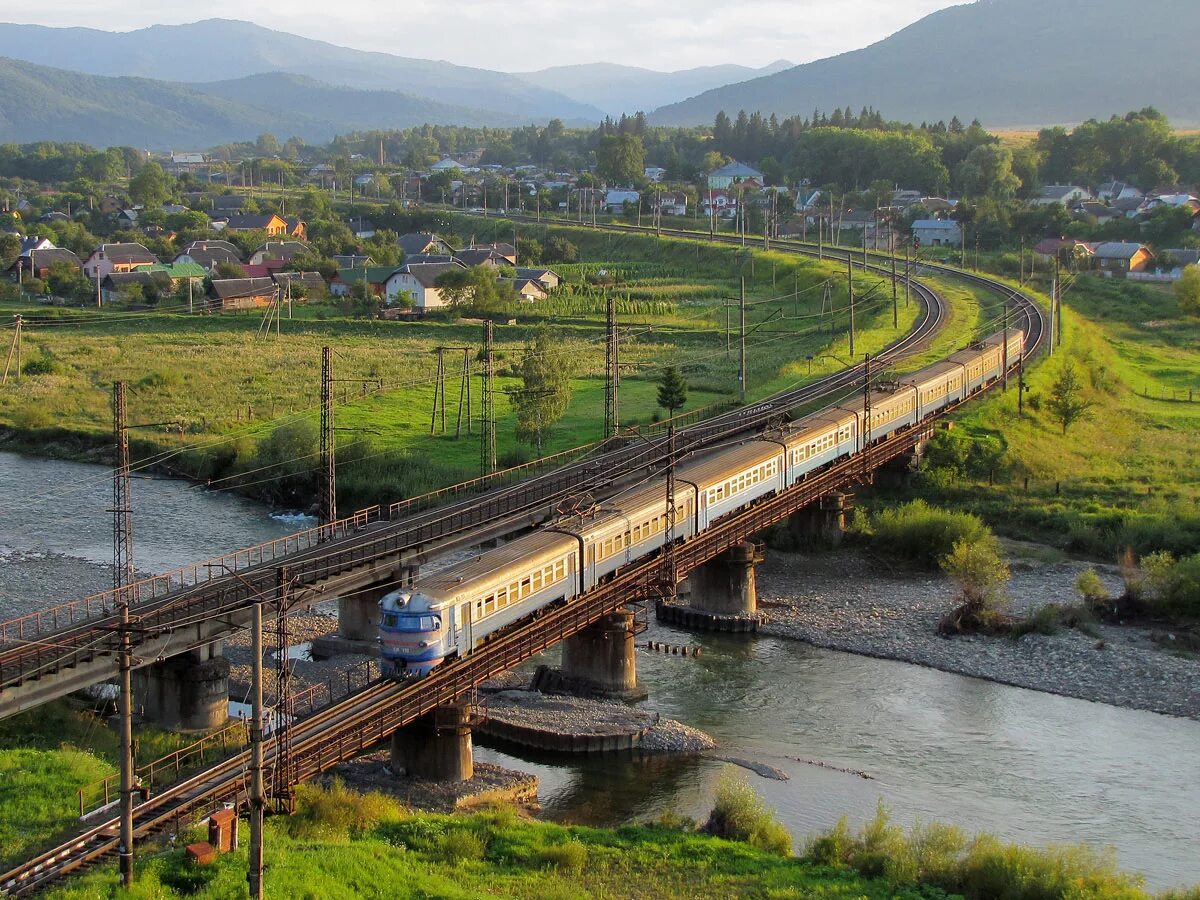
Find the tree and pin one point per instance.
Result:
(1187, 291)
(150, 187)
(980, 573)
(621, 158)
(475, 289)
(672, 390)
(546, 371)
(560, 250)
(1065, 402)
(988, 172)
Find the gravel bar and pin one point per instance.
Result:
(852, 601)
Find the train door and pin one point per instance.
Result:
(463, 632)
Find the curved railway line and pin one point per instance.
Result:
(35, 654)
(346, 728)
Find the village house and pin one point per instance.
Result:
(1121, 257)
(121, 285)
(375, 278)
(670, 203)
(109, 258)
(209, 254)
(285, 251)
(616, 198)
(421, 242)
(274, 225)
(527, 289)
(364, 229)
(504, 251)
(175, 273)
(1066, 194)
(352, 261)
(937, 232)
(734, 173)
(482, 256)
(418, 281)
(241, 293)
(429, 258)
(654, 174)
(292, 283)
(1062, 249)
(547, 278)
(38, 263)
(719, 202)
(1099, 212)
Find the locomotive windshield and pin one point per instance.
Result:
(411, 622)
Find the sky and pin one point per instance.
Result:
(521, 35)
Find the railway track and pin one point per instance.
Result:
(39, 656)
(348, 727)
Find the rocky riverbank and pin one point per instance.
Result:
(852, 601)
(490, 784)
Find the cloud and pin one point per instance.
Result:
(519, 35)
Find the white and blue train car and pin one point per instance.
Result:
(453, 611)
(734, 478)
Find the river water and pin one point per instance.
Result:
(1026, 766)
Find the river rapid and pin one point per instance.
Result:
(1025, 765)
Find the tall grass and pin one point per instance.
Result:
(740, 814)
(922, 533)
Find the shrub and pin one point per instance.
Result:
(39, 365)
(924, 533)
(740, 814)
(980, 573)
(1045, 619)
(336, 811)
(1172, 587)
(463, 844)
(569, 857)
(1090, 587)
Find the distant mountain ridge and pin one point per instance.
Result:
(1010, 63)
(41, 103)
(224, 49)
(618, 89)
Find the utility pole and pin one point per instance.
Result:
(1021, 383)
(866, 426)
(907, 275)
(328, 490)
(742, 361)
(850, 292)
(669, 571)
(258, 794)
(464, 394)
(487, 435)
(612, 372)
(895, 310)
(1004, 352)
(122, 576)
(14, 349)
(284, 793)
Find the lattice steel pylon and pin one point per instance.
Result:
(612, 372)
(284, 787)
(487, 433)
(327, 500)
(122, 575)
(670, 574)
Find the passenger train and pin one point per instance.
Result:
(452, 612)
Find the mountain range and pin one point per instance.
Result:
(1009, 63)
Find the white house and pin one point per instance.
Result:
(616, 198)
(731, 174)
(417, 281)
(937, 232)
(654, 173)
(1066, 194)
(447, 163)
(671, 203)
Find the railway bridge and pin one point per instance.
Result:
(322, 737)
(180, 618)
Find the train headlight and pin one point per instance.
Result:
(423, 644)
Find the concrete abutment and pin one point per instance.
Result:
(437, 746)
(188, 692)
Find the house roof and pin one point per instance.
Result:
(935, 225)
(35, 242)
(352, 261)
(428, 258)
(227, 202)
(1057, 191)
(253, 222)
(280, 249)
(372, 274)
(427, 273)
(231, 288)
(175, 271)
(736, 170)
(46, 258)
(312, 281)
(1184, 257)
(1128, 204)
(536, 272)
(1119, 250)
(126, 253)
(213, 245)
(418, 242)
(1051, 246)
(139, 276)
(479, 256)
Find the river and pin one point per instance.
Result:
(1026, 766)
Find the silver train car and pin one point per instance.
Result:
(449, 614)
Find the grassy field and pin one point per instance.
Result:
(219, 388)
(1129, 474)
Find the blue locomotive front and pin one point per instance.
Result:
(412, 634)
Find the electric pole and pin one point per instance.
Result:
(850, 292)
(14, 349)
(122, 576)
(487, 434)
(328, 490)
(1004, 352)
(742, 341)
(612, 373)
(258, 794)
(895, 310)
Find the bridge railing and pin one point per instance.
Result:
(64, 615)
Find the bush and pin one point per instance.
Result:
(569, 857)
(925, 534)
(1172, 587)
(740, 814)
(337, 812)
(1090, 587)
(462, 844)
(39, 365)
(980, 573)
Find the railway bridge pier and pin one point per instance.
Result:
(722, 593)
(824, 521)
(437, 746)
(187, 692)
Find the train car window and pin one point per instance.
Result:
(560, 569)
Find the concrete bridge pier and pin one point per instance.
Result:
(898, 472)
(822, 522)
(358, 618)
(723, 594)
(188, 692)
(437, 746)
(599, 661)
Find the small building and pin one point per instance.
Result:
(670, 203)
(35, 242)
(419, 282)
(1122, 257)
(109, 258)
(547, 278)
(482, 256)
(422, 242)
(937, 232)
(445, 164)
(429, 258)
(227, 203)
(38, 263)
(528, 289)
(117, 285)
(616, 198)
(276, 250)
(654, 174)
(734, 173)
(274, 225)
(375, 277)
(175, 272)
(1097, 211)
(352, 261)
(1066, 194)
(1062, 249)
(313, 284)
(241, 293)
(210, 254)
(364, 229)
